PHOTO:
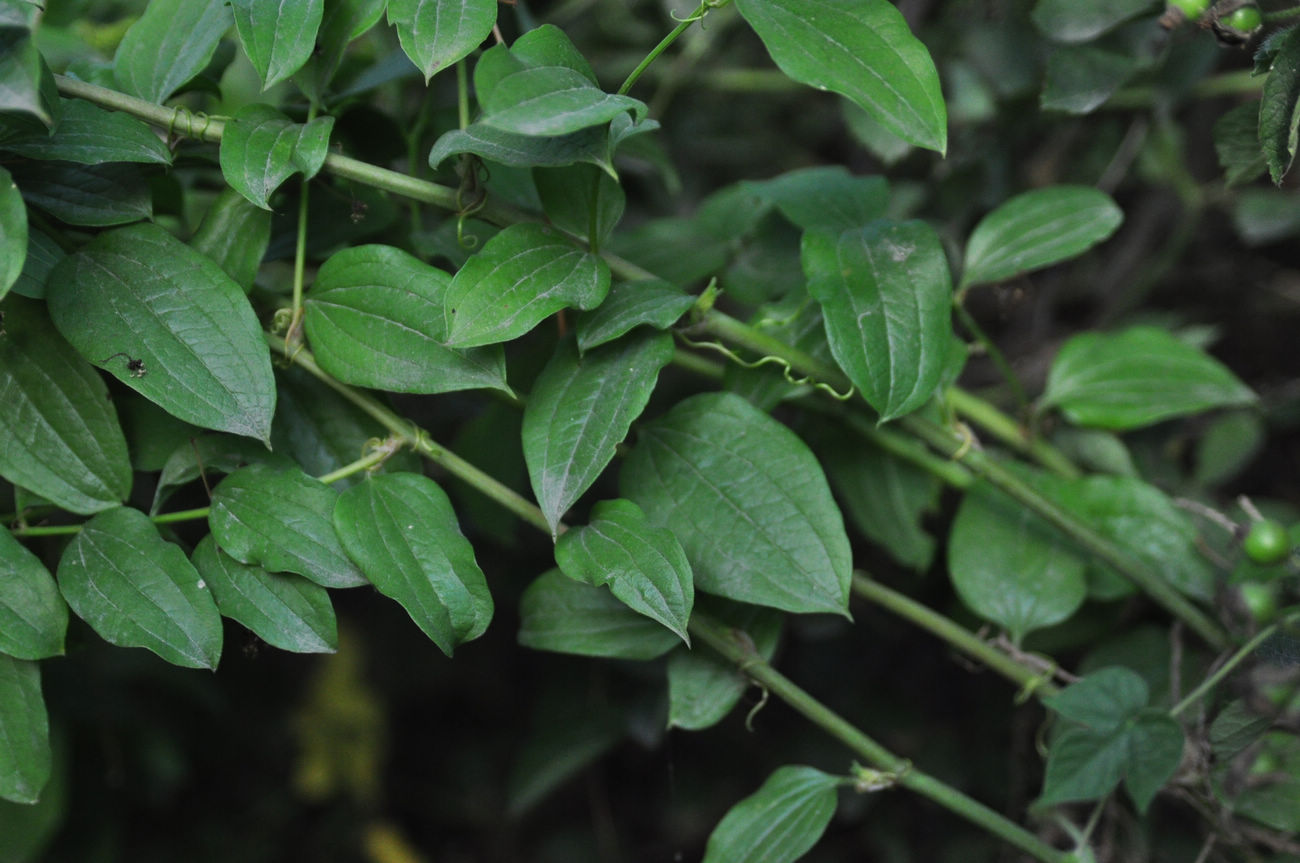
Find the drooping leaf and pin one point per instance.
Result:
(631, 304)
(778, 823)
(138, 590)
(1137, 377)
(33, 617)
(278, 35)
(1037, 229)
(580, 409)
(114, 193)
(203, 360)
(59, 434)
(1070, 21)
(401, 530)
(825, 198)
(521, 276)
(1279, 111)
(863, 50)
(90, 135)
(283, 521)
(261, 148)
(437, 33)
(171, 43)
(886, 298)
(235, 233)
(284, 610)
(566, 616)
(549, 101)
(25, 759)
(374, 318)
(13, 232)
(748, 502)
(703, 687)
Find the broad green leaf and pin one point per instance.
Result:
(1072, 21)
(748, 502)
(1236, 727)
(204, 360)
(437, 33)
(863, 50)
(1236, 141)
(562, 615)
(520, 277)
(1279, 111)
(1080, 78)
(284, 610)
(643, 566)
(579, 198)
(343, 21)
(33, 617)
(210, 455)
(1037, 229)
(43, 254)
(13, 232)
(1137, 377)
(138, 590)
(278, 35)
(1010, 567)
(1103, 700)
(26, 85)
(631, 304)
(171, 43)
(522, 151)
(886, 298)
(824, 198)
(90, 135)
(25, 760)
(580, 409)
(235, 234)
(374, 318)
(59, 434)
(1083, 764)
(1156, 749)
(114, 193)
(778, 823)
(549, 101)
(548, 45)
(261, 148)
(283, 521)
(401, 530)
(702, 686)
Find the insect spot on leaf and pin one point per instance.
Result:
(134, 365)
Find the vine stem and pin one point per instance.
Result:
(991, 348)
(1224, 670)
(664, 43)
(1009, 432)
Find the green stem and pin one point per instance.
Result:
(1224, 670)
(994, 352)
(1009, 432)
(737, 647)
(462, 94)
(1282, 15)
(665, 42)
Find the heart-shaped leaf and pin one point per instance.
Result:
(171, 43)
(437, 33)
(261, 148)
(277, 36)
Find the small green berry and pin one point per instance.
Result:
(1261, 601)
(1267, 543)
(1237, 26)
(1177, 11)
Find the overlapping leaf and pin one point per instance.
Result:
(90, 135)
(1279, 111)
(652, 303)
(114, 193)
(235, 233)
(33, 617)
(278, 35)
(169, 45)
(13, 232)
(437, 33)
(261, 148)
(25, 759)
(566, 616)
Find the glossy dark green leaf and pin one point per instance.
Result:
(631, 304)
(284, 610)
(1156, 750)
(43, 254)
(1071, 21)
(277, 36)
(778, 823)
(402, 532)
(523, 151)
(886, 297)
(551, 100)
(825, 198)
(261, 148)
(171, 43)
(114, 193)
(521, 276)
(703, 687)
(579, 198)
(748, 502)
(59, 434)
(1279, 111)
(1037, 229)
(33, 616)
(1103, 700)
(90, 135)
(1137, 377)
(235, 234)
(1080, 78)
(138, 590)
(13, 232)
(643, 566)
(862, 50)
(437, 33)
(562, 615)
(1236, 141)
(204, 360)
(25, 759)
(581, 408)
(1010, 567)
(374, 318)
(26, 86)
(283, 521)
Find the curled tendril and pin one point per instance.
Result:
(1034, 684)
(770, 323)
(419, 439)
(967, 441)
(753, 711)
(387, 446)
(469, 183)
(769, 361)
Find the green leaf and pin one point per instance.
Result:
(1010, 567)
(1279, 111)
(13, 232)
(748, 502)
(579, 198)
(522, 151)
(550, 101)
(401, 530)
(277, 36)
(1135, 378)
(703, 687)
(1103, 700)
(1072, 21)
(25, 759)
(1083, 764)
(520, 277)
(631, 304)
(562, 615)
(374, 318)
(90, 135)
(59, 434)
(343, 21)
(261, 148)
(171, 43)
(205, 361)
(863, 50)
(437, 33)
(580, 409)
(33, 617)
(1236, 141)
(778, 823)
(1037, 229)
(235, 233)
(114, 193)
(1155, 749)
(138, 590)
(283, 521)
(1080, 78)
(284, 610)
(208, 455)
(43, 254)
(643, 566)
(886, 297)
(26, 85)
(824, 198)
